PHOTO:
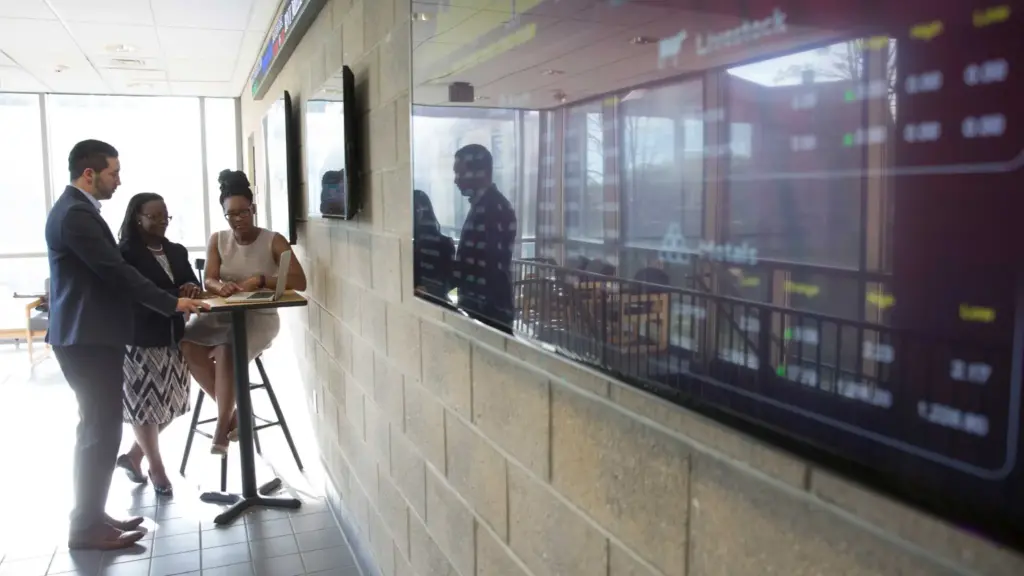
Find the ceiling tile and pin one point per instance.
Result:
(249, 52)
(195, 43)
(5, 61)
(75, 81)
(20, 38)
(212, 89)
(200, 70)
(102, 38)
(104, 11)
(26, 9)
(262, 15)
(18, 80)
(218, 15)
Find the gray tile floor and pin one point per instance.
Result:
(182, 539)
(182, 542)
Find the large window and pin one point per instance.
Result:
(529, 174)
(791, 113)
(584, 178)
(221, 151)
(663, 162)
(159, 144)
(22, 188)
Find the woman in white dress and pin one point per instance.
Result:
(242, 259)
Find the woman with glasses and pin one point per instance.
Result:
(156, 376)
(242, 259)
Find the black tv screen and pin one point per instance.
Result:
(795, 217)
(280, 135)
(332, 167)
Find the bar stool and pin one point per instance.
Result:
(260, 423)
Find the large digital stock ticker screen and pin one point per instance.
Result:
(802, 218)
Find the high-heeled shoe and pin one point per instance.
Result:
(162, 490)
(134, 474)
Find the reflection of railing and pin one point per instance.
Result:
(889, 383)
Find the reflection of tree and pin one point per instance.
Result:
(653, 172)
(595, 149)
(640, 151)
(846, 61)
(859, 62)
(585, 175)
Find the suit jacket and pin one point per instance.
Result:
(153, 329)
(92, 289)
(483, 262)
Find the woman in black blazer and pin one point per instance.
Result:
(156, 377)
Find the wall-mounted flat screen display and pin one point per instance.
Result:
(332, 165)
(798, 217)
(283, 180)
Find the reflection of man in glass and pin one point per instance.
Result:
(483, 262)
(332, 193)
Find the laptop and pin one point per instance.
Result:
(267, 295)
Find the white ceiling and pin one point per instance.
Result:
(150, 47)
(579, 48)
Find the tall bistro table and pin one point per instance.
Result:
(251, 494)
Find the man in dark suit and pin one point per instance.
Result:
(92, 290)
(483, 261)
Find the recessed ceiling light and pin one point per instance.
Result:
(121, 48)
(641, 40)
(560, 96)
(550, 72)
(61, 68)
(421, 17)
(482, 98)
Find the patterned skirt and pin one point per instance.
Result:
(156, 385)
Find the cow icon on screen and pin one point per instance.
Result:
(670, 48)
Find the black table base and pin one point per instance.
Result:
(239, 504)
(251, 496)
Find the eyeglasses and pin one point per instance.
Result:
(238, 215)
(158, 218)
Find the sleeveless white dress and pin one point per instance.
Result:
(239, 262)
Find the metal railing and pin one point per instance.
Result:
(919, 392)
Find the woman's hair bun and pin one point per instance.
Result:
(234, 183)
(233, 180)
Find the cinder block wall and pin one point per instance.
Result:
(458, 451)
